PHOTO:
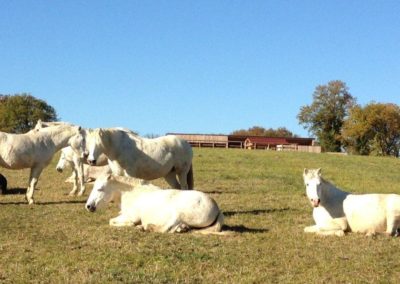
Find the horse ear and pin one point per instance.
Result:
(109, 176)
(319, 172)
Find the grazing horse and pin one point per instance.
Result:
(336, 211)
(80, 170)
(156, 209)
(148, 159)
(35, 150)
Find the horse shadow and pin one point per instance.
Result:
(256, 211)
(15, 191)
(46, 203)
(243, 229)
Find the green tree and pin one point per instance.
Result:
(325, 116)
(20, 112)
(374, 129)
(261, 131)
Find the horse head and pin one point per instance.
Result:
(101, 194)
(313, 182)
(78, 141)
(94, 145)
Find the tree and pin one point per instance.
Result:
(374, 129)
(325, 116)
(261, 131)
(19, 113)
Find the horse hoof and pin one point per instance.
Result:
(30, 201)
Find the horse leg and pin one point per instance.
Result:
(335, 227)
(183, 180)
(170, 178)
(33, 179)
(186, 178)
(81, 177)
(123, 221)
(393, 225)
(75, 179)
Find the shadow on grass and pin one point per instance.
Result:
(38, 203)
(243, 229)
(15, 191)
(61, 202)
(256, 211)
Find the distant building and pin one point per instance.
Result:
(251, 142)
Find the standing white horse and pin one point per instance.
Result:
(336, 211)
(72, 158)
(35, 150)
(81, 172)
(156, 209)
(148, 159)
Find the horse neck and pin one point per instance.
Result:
(124, 183)
(331, 192)
(113, 137)
(58, 135)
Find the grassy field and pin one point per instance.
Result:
(263, 199)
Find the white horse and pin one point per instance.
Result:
(72, 158)
(35, 150)
(155, 209)
(148, 159)
(336, 211)
(81, 172)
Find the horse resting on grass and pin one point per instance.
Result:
(336, 212)
(35, 150)
(148, 159)
(155, 209)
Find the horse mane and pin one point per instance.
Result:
(129, 181)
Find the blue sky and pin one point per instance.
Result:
(196, 66)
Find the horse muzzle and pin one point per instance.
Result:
(60, 170)
(90, 208)
(91, 162)
(315, 202)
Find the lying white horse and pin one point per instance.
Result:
(336, 211)
(35, 150)
(155, 209)
(148, 159)
(81, 172)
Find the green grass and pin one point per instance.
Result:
(263, 198)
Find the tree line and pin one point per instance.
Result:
(340, 124)
(19, 113)
(333, 117)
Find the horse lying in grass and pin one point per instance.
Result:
(81, 171)
(155, 209)
(35, 150)
(336, 212)
(148, 159)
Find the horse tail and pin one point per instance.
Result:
(189, 177)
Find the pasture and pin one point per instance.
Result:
(263, 198)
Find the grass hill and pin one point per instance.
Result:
(262, 196)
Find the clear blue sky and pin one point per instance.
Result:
(196, 66)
